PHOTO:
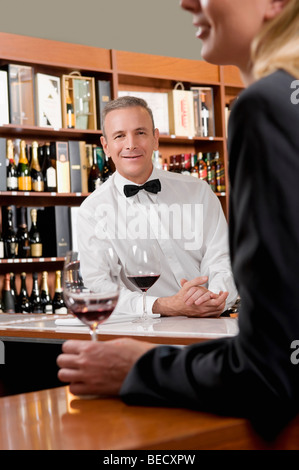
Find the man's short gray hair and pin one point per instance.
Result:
(125, 102)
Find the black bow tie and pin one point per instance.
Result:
(153, 186)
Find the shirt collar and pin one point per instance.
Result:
(120, 182)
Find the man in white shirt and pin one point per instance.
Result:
(179, 214)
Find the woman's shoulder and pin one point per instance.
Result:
(274, 89)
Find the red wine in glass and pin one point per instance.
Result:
(144, 282)
(93, 312)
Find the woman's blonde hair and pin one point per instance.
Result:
(277, 45)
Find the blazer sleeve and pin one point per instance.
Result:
(250, 375)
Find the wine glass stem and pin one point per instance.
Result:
(93, 334)
(144, 316)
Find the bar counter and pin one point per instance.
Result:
(57, 420)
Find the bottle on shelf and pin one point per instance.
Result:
(11, 169)
(1, 246)
(13, 289)
(220, 175)
(204, 116)
(194, 167)
(23, 298)
(37, 179)
(171, 163)
(35, 300)
(185, 163)
(24, 175)
(107, 170)
(177, 163)
(23, 236)
(59, 306)
(211, 172)
(10, 237)
(7, 296)
(36, 246)
(202, 168)
(49, 169)
(46, 301)
(70, 114)
(95, 175)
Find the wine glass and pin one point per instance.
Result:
(143, 269)
(92, 307)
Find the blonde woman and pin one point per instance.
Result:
(254, 374)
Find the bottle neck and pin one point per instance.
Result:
(58, 287)
(44, 286)
(34, 161)
(23, 157)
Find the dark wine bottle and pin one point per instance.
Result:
(35, 171)
(49, 169)
(11, 169)
(95, 175)
(10, 237)
(14, 290)
(7, 296)
(36, 247)
(107, 170)
(46, 301)
(23, 236)
(211, 172)
(23, 298)
(35, 300)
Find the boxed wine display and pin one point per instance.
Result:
(54, 223)
(203, 111)
(21, 94)
(181, 112)
(78, 166)
(48, 101)
(78, 102)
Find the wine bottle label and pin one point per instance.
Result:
(61, 310)
(38, 185)
(203, 174)
(51, 177)
(36, 250)
(24, 183)
(12, 183)
(48, 309)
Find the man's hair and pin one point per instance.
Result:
(125, 102)
(277, 45)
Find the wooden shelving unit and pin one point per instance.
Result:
(126, 71)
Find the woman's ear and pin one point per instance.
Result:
(274, 8)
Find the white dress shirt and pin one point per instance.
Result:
(184, 220)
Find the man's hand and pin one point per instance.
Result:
(98, 368)
(192, 300)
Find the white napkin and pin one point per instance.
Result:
(119, 318)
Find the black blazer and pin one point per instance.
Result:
(251, 375)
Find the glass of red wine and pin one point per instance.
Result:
(92, 307)
(143, 269)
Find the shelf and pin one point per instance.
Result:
(18, 131)
(31, 260)
(25, 198)
(187, 140)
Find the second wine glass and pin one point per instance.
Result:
(143, 269)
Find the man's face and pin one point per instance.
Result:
(130, 142)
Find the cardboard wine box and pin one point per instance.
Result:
(78, 166)
(54, 223)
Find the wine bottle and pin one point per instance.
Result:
(194, 167)
(35, 171)
(95, 175)
(70, 115)
(58, 302)
(220, 175)
(13, 290)
(171, 164)
(36, 246)
(107, 170)
(23, 236)
(185, 163)
(177, 163)
(49, 169)
(205, 115)
(1, 246)
(23, 298)
(24, 176)
(46, 301)
(35, 300)
(10, 238)
(11, 169)
(7, 297)
(202, 168)
(211, 172)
